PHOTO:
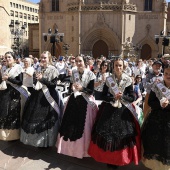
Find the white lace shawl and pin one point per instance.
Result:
(14, 71)
(125, 81)
(86, 77)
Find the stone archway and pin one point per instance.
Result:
(146, 52)
(100, 48)
(99, 35)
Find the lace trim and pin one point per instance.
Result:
(72, 126)
(114, 129)
(113, 144)
(157, 157)
(38, 127)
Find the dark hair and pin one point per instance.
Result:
(166, 66)
(119, 59)
(12, 54)
(85, 59)
(102, 64)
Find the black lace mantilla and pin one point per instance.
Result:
(10, 108)
(164, 161)
(72, 126)
(38, 114)
(156, 136)
(114, 128)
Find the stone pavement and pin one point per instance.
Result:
(17, 156)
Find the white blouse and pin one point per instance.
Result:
(28, 77)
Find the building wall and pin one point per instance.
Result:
(15, 10)
(4, 20)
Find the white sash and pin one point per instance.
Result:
(114, 89)
(164, 90)
(22, 89)
(51, 100)
(76, 79)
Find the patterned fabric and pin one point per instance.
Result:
(86, 77)
(156, 131)
(157, 91)
(114, 129)
(49, 73)
(124, 82)
(73, 122)
(40, 120)
(10, 101)
(14, 71)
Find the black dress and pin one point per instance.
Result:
(80, 112)
(40, 121)
(115, 132)
(10, 106)
(156, 135)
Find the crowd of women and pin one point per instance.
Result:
(111, 131)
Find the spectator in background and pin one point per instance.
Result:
(62, 67)
(100, 80)
(36, 63)
(139, 69)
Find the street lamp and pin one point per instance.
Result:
(55, 37)
(66, 47)
(165, 40)
(17, 34)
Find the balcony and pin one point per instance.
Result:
(103, 6)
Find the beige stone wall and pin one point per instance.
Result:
(5, 40)
(34, 40)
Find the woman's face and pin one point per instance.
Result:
(26, 63)
(9, 59)
(167, 75)
(44, 59)
(156, 68)
(104, 67)
(118, 66)
(80, 62)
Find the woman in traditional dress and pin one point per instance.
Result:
(42, 112)
(156, 129)
(100, 80)
(80, 112)
(116, 132)
(10, 107)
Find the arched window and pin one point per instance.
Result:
(148, 5)
(55, 5)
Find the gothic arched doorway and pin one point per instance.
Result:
(100, 48)
(146, 52)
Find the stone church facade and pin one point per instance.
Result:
(107, 27)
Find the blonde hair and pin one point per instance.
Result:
(49, 56)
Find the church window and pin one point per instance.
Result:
(55, 5)
(148, 5)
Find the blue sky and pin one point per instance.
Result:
(34, 1)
